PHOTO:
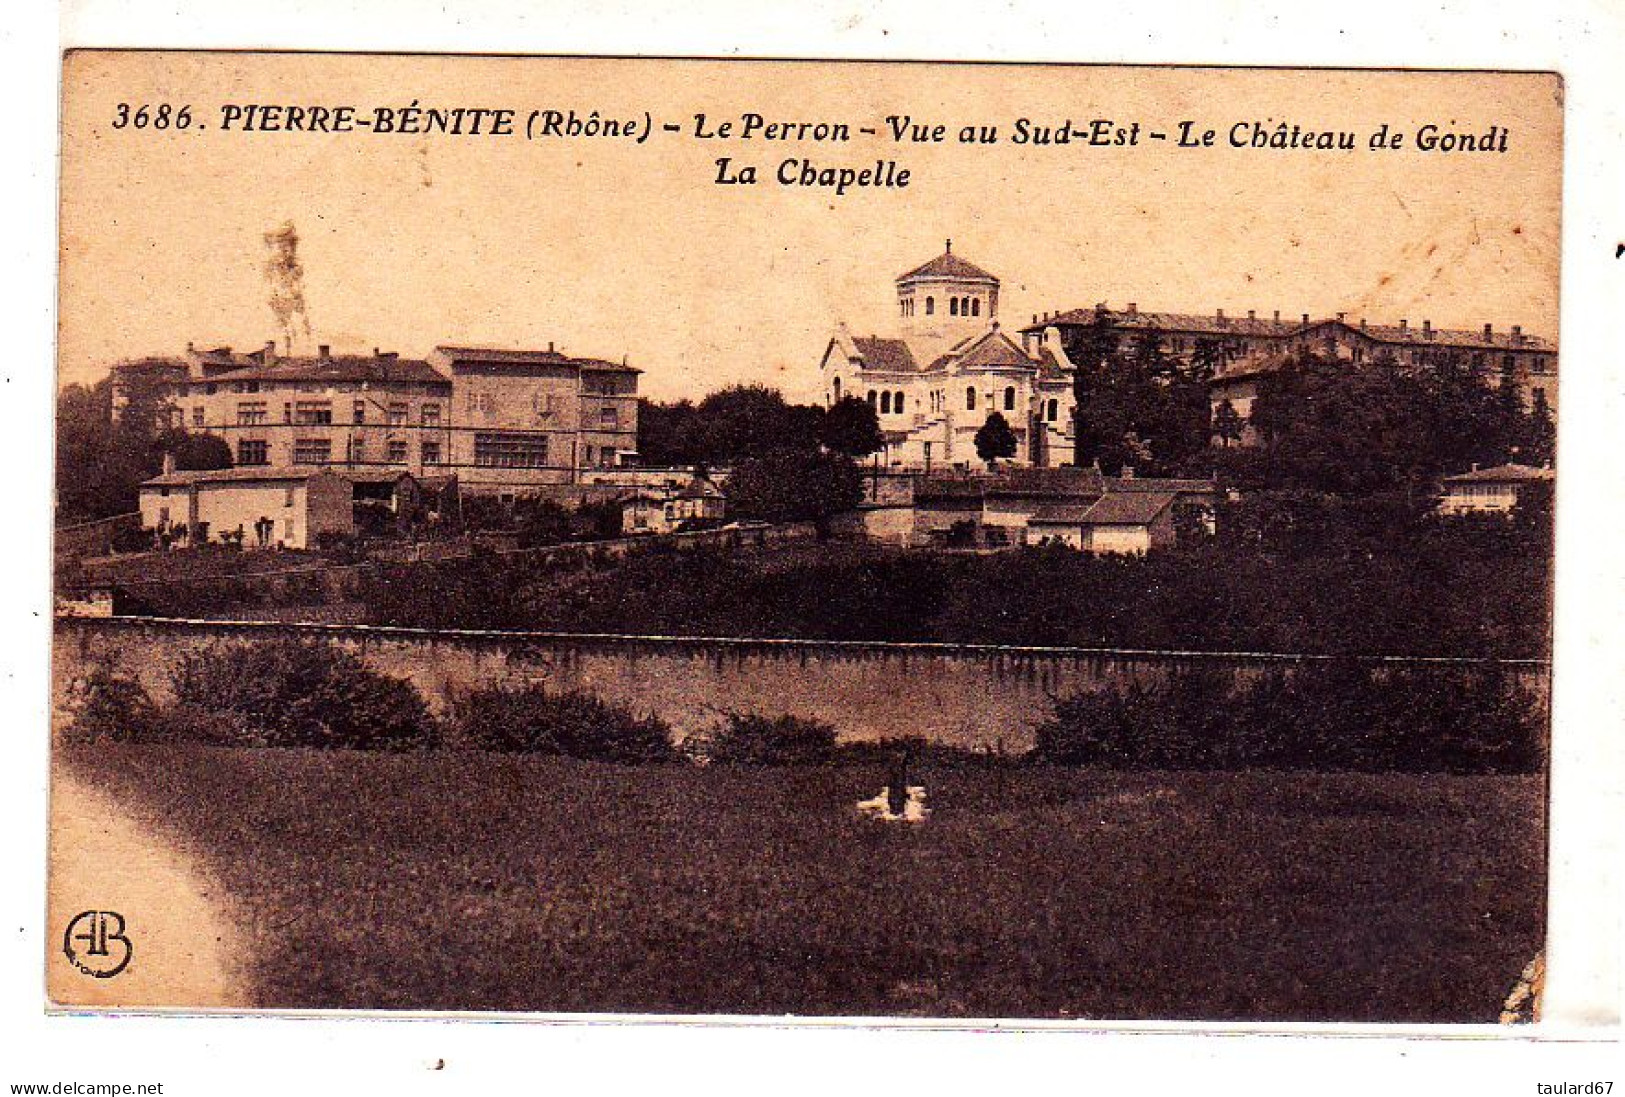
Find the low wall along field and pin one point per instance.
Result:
(963, 695)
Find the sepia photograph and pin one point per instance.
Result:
(680, 537)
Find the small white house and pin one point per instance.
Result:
(1129, 523)
(270, 507)
(1490, 491)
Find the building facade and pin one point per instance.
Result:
(502, 421)
(934, 384)
(934, 381)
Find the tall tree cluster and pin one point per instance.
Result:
(101, 462)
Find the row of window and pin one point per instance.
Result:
(319, 451)
(957, 306)
(892, 403)
(251, 413)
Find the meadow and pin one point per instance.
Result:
(465, 880)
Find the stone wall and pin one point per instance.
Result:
(972, 696)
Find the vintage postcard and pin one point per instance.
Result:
(684, 537)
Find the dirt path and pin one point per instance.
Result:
(173, 915)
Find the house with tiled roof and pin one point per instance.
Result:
(1130, 523)
(1494, 490)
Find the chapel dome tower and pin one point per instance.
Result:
(947, 299)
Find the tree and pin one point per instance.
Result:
(995, 439)
(851, 427)
(1227, 424)
(788, 485)
(199, 452)
(750, 420)
(1093, 350)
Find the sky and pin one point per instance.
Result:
(612, 248)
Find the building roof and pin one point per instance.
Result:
(989, 350)
(948, 265)
(1059, 482)
(244, 474)
(276, 474)
(1160, 484)
(1128, 508)
(1061, 514)
(885, 354)
(548, 357)
(1217, 324)
(352, 368)
(1180, 322)
(948, 487)
(1502, 474)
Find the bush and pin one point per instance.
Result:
(751, 740)
(1337, 715)
(291, 693)
(532, 720)
(106, 705)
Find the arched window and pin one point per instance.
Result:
(885, 403)
(930, 305)
(1054, 410)
(953, 306)
(1010, 398)
(897, 403)
(837, 390)
(873, 398)
(970, 397)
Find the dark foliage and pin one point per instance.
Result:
(994, 439)
(790, 485)
(291, 693)
(533, 720)
(749, 739)
(100, 463)
(1341, 715)
(1289, 573)
(851, 427)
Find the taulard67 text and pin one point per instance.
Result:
(807, 142)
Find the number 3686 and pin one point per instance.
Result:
(146, 116)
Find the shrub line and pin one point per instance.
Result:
(91, 624)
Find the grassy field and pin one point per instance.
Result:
(459, 880)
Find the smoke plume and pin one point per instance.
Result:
(287, 282)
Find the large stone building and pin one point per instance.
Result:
(1242, 350)
(503, 421)
(949, 363)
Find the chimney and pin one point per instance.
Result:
(1341, 317)
(1404, 325)
(1517, 334)
(1251, 315)
(268, 355)
(1427, 329)
(1277, 317)
(1035, 317)
(1133, 308)
(1306, 319)
(1362, 323)
(189, 346)
(169, 463)
(550, 346)
(1219, 315)
(1489, 331)
(948, 246)
(322, 351)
